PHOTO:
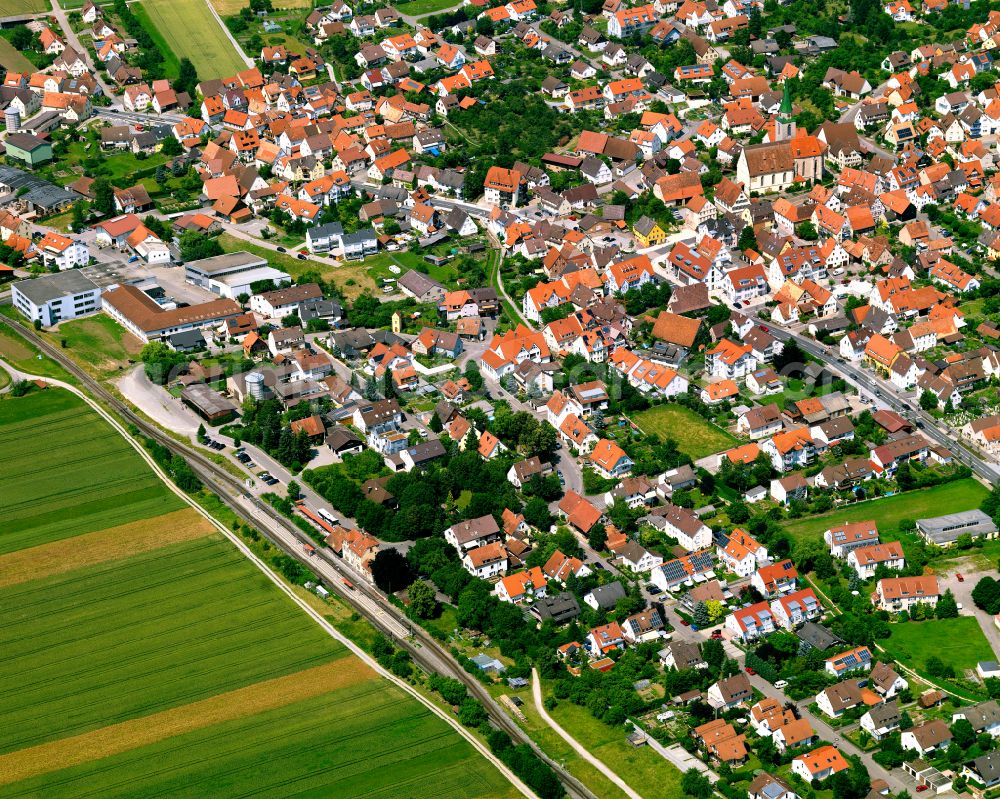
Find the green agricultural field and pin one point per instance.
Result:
(887, 512)
(695, 436)
(370, 740)
(191, 30)
(173, 666)
(65, 473)
(9, 8)
(959, 643)
(13, 59)
(189, 621)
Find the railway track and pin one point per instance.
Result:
(425, 651)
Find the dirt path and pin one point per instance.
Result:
(580, 749)
(146, 730)
(114, 543)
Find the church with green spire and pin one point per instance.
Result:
(784, 123)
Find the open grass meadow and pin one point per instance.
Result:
(888, 512)
(22, 355)
(66, 473)
(695, 436)
(959, 643)
(143, 655)
(98, 343)
(191, 30)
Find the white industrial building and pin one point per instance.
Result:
(54, 298)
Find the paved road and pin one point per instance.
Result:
(580, 749)
(896, 779)
(74, 41)
(887, 394)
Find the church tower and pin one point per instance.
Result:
(784, 123)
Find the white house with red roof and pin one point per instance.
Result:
(742, 554)
(792, 610)
(775, 579)
(525, 586)
(609, 460)
(751, 622)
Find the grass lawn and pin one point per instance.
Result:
(13, 58)
(560, 751)
(643, 769)
(417, 8)
(959, 643)
(353, 278)
(98, 343)
(190, 29)
(695, 436)
(887, 512)
(22, 354)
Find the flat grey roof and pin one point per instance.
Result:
(241, 259)
(252, 276)
(952, 525)
(208, 401)
(46, 288)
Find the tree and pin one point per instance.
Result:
(81, 211)
(391, 571)
(947, 607)
(104, 196)
(435, 423)
(187, 77)
(294, 490)
(597, 537)
(201, 435)
(537, 513)
(171, 147)
(963, 734)
(194, 245)
(986, 595)
(20, 38)
(422, 600)
(696, 784)
(928, 400)
(701, 615)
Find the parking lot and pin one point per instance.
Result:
(170, 277)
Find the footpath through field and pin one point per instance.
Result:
(580, 749)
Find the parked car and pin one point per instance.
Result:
(959, 577)
(281, 249)
(748, 670)
(685, 622)
(781, 684)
